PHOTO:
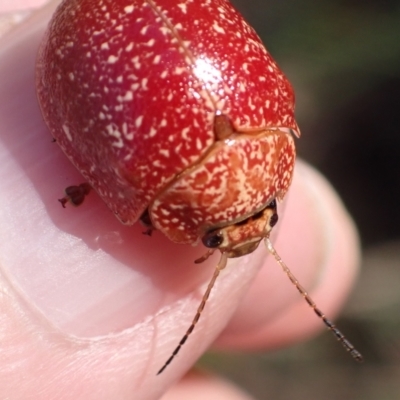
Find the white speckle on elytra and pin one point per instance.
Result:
(112, 59)
(164, 152)
(152, 132)
(70, 44)
(251, 105)
(178, 148)
(267, 103)
(198, 144)
(119, 145)
(144, 30)
(165, 212)
(178, 26)
(173, 206)
(138, 121)
(179, 70)
(128, 136)
(71, 76)
(129, 47)
(105, 46)
(135, 86)
(157, 59)
(88, 54)
(150, 43)
(224, 65)
(116, 134)
(120, 79)
(127, 97)
(144, 83)
(163, 123)
(102, 115)
(218, 28)
(59, 76)
(67, 132)
(136, 62)
(129, 9)
(164, 74)
(119, 28)
(119, 108)
(185, 132)
(183, 7)
(110, 129)
(164, 30)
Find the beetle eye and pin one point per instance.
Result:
(273, 220)
(272, 204)
(212, 239)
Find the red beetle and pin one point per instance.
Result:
(176, 114)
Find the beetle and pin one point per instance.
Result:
(176, 115)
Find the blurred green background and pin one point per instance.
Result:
(343, 59)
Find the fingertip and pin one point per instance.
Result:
(198, 386)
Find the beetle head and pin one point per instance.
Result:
(243, 237)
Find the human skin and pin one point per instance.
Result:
(90, 309)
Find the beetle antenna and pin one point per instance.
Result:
(331, 326)
(220, 266)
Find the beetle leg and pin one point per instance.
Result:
(204, 257)
(146, 222)
(75, 194)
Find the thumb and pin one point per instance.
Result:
(90, 309)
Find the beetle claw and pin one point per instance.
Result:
(148, 231)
